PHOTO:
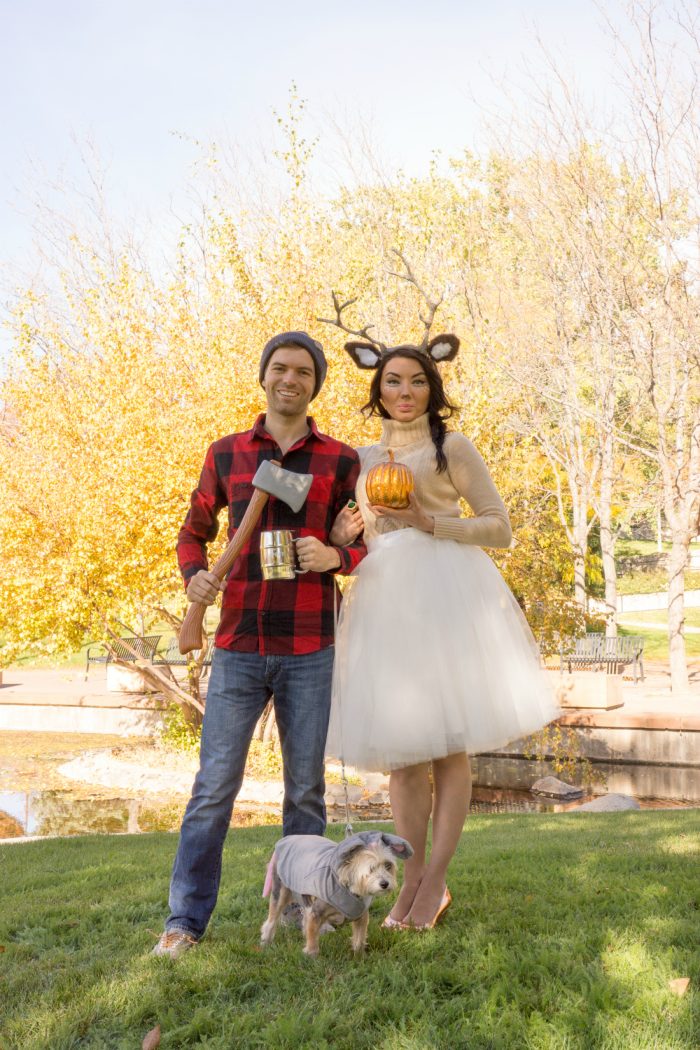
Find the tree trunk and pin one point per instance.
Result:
(678, 559)
(580, 530)
(163, 680)
(270, 733)
(580, 580)
(266, 725)
(607, 536)
(607, 547)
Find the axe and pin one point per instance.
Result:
(270, 480)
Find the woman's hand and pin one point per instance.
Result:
(412, 515)
(347, 526)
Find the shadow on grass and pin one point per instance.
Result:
(564, 934)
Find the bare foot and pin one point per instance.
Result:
(426, 902)
(404, 901)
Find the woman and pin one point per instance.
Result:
(434, 659)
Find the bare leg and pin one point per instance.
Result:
(452, 785)
(411, 802)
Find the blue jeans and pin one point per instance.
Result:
(240, 686)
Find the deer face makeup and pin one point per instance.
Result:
(404, 389)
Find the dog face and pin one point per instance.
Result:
(369, 870)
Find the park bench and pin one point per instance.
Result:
(120, 649)
(172, 656)
(601, 652)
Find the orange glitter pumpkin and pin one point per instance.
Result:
(389, 484)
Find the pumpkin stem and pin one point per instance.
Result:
(391, 456)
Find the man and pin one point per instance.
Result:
(274, 637)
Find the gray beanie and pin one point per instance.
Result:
(303, 340)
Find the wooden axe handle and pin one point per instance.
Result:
(190, 636)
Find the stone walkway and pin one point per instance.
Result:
(649, 703)
(63, 687)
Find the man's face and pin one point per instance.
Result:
(289, 381)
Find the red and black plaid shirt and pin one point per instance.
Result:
(274, 616)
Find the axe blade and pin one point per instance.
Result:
(283, 484)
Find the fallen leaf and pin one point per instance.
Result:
(679, 985)
(152, 1040)
(2, 947)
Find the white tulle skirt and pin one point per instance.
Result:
(433, 657)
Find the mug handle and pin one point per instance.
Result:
(299, 572)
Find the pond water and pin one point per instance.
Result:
(59, 812)
(501, 786)
(654, 786)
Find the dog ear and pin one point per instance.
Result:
(398, 846)
(352, 845)
(364, 354)
(443, 347)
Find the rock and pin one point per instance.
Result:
(335, 794)
(679, 985)
(376, 781)
(378, 798)
(607, 804)
(554, 788)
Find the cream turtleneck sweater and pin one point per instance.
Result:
(466, 476)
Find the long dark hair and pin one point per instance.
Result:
(439, 408)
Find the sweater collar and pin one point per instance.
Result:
(395, 433)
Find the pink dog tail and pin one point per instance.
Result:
(268, 878)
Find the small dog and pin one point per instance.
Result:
(332, 881)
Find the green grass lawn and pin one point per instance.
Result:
(656, 641)
(629, 548)
(660, 616)
(565, 933)
(649, 582)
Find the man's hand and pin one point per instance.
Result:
(204, 588)
(315, 556)
(347, 526)
(411, 515)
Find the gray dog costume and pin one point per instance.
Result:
(308, 865)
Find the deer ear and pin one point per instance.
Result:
(443, 347)
(364, 354)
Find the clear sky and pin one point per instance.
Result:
(143, 78)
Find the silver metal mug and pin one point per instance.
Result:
(278, 557)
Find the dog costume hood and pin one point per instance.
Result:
(309, 864)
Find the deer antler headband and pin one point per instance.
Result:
(369, 352)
